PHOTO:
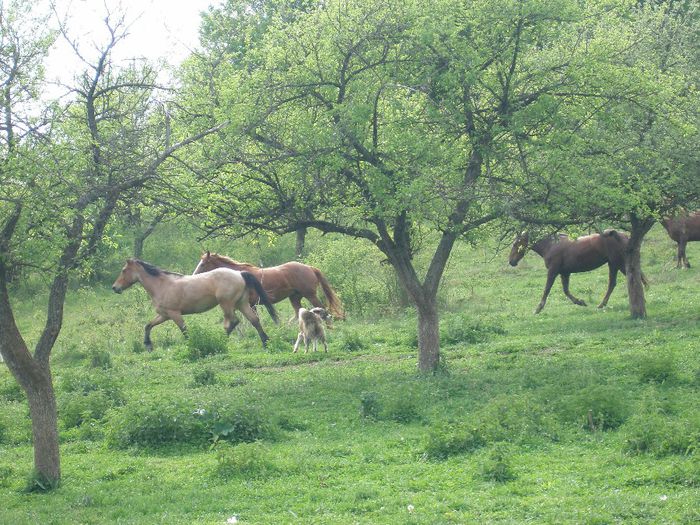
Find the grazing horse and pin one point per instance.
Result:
(174, 295)
(682, 229)
(294, 280)
(563, 256)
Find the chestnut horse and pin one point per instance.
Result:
(293, 279)
(174, 295)
(563, 256)
(682, 229)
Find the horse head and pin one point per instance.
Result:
(128, 276)
(520, 246)
(206, 263)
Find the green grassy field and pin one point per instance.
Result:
(577, 415)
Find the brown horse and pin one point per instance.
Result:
(294, 280)
(174, 295)
(563, 256)
(682, 229)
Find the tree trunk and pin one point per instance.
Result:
(301, 241)
(633, 267)
(42, 410)
(428, 336)
(138, 245)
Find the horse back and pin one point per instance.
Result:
(683, 227)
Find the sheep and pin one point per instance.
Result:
(311, 328)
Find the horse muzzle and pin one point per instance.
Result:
(117, 289)
(513, 263)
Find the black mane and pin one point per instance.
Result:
(154, 270)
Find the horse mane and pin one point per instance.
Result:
(233, 262)
(154, 270)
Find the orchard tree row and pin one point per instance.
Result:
(406, 124)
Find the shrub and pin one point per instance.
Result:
(597, 407)
(659, 435)
(453, 439)
(459, 329)
(75, 407)
(100, 359)
(246, 459)
(204, 377)
(370, 407)
(3, 431)
(6, 473)
(10, 389)
(497, 466)
(351, 342)
(203, 342)
(155, 423)
(403, 409)
(657, 368)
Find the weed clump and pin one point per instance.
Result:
(497, 467)
(458, 329)
(10, 390)
(249, 460)
(657, 368)
(205, 377)
(597, 407)
(453, 439)
(351, 342)
(99, 358)
(370, 407)
(661, 436)
(203, 342)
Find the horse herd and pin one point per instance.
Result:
(214, 283)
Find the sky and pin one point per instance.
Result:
(158, 29)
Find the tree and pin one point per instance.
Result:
(390, 122)
(629, 156)
(61, 185)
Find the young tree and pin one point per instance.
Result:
(390, 122)
(61, 187)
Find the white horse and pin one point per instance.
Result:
(174, 295)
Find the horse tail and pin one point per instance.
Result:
(334, 304)
(252, 282)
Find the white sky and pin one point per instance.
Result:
(158, 29)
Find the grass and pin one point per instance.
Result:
(514, 400)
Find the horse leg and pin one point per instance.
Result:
(147, 336)
(250, 314)
(682, 257)
(565, 285)
(179, 321)
(295, 299)
(547, 287)
(612, 281)
(296, 345)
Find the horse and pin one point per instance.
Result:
(682, 229)
(174, 295)
(563, 256)
(291, 280)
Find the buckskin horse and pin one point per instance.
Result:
(293, 280)
(683, 228)
(563, 256)
(174, 295)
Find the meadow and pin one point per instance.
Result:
(577, 415)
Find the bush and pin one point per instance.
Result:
(3, 431)
(246, 459)
(657, 368)
(153, 423)
(6, 473)
(661, 436)
(204, 377)
(598, 407)
(100, 359)
(203, 342)
(10, 389)
(497, 466)
(75, 407)
(157, 423)
(370, 407)
(351, 342)
(459, 329)
(403, 409)
(453, 439)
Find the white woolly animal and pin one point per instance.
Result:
(311, 328)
